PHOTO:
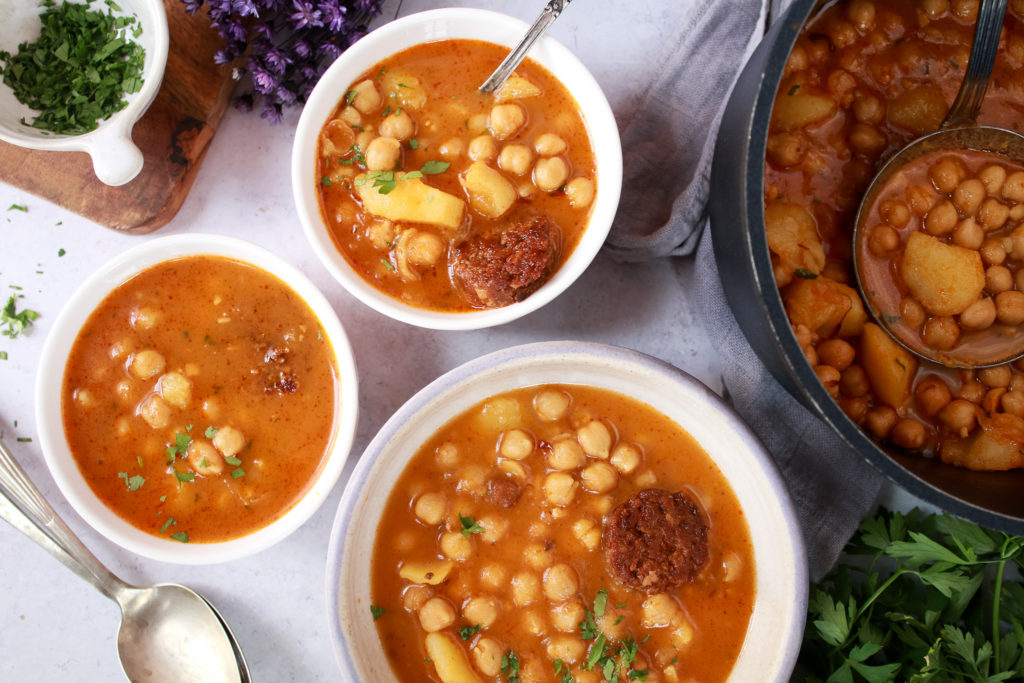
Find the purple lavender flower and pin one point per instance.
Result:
(272, 112)
(301, 49)
(330, 51)
(192, 6)
(333, 14)
(262, 80)
(245, 8)
(276, 61)
(305, 15)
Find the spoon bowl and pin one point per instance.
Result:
(974, 347)
(168, 632)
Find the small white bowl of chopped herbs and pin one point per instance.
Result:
(76, 76)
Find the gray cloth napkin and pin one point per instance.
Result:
(669, 143)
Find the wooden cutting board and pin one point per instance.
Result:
(173, 136)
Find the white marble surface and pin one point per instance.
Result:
(53, 626)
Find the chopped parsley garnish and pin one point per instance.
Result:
(386, 181)
(434, 167)
(805, 274)
(18, 207)
(563, 672)
(792, 91)
(180, 536)
(61, 252)
(79, 69)
(184, 476)
(387, 264)
(134, 483)
(180, 447)
(467, 632)
(469, 526)
(232, 460)
(413, 143)
(210, 432)
(14, 320)
(24, 439)
(170, 522)
(325, 181)
(237, 472)
(510, 667)
(377, 612)
(350, 96)
(3, 355)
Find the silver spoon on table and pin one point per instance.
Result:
(958, 131)
(168, 632)
(509, 64)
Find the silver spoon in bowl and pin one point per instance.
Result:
(958, 131)
(509, 64)
(168, 632)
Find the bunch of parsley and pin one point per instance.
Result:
(938, 600)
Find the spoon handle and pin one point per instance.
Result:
(979, 69)
(25, 508)
(505, 69)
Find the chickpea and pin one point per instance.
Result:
(855, 408)
(853, 382)
(381, 233)
(382, 154)
(993, 214)
(415, 596)
(506, 120)
(993, 177)
(659, 610)
(494, 576)
(525, 588)
(447, 454)
(972, 391)
(145, 318)
(895, 213)
(455, 546)
(785, 149)
(175, 388)
(880, 420)
(595, 438)
(494, 528)
(551, 404)
(365, 137)
(959, 416)
(1013, 188)
(836, 352)
(154, 411)
(968, 234)
(942, 219)
(842, 34)
(946, 174)
(993, 399)
(998, 279)
(883, 239)
(482, 148)
(798, 60)
(516, 444)
(430, 508)
(549, 144)
(481, 610)
(829, 378)
(560, 583)
(980, 315)
(861, 14)
(997, 377)
(351, 116)
(550, 173)
(566, 616)
(1010, 307)
(1012, 402)
(204, 458)
(908, 433)
(229, 441)
(452, 149)
(941, 332)
(560, 488)
(867, 108)
(867, 140)
(964, 9)
(211, 408)
(398, 125)
(423, 248)
(147, 364)
(993, 251)
(626, 458)
(366, 98)
(515, 159)
(912, 312)
(600, 477)
(1017, 242)
(580, 192)
(968, 196)
(487, 655)
(566, 454)
(934, 8)
(436, 614)
(932, 395)
(919, 198)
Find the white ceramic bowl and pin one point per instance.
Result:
(115, 158)
(776, 625)
(51, 373)
(446, 24)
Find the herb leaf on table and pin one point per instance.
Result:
(919, 598)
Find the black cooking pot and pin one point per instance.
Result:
(994, 499)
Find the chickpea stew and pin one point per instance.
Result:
(199, 399)
(448, 199)
(553, 531)
(864, 78)
(942, 283)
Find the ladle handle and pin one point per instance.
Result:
(25, 508)
(509, 64)
(967, 104)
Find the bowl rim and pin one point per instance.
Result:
(466, 23)
(111, 140)
(785, 582)
(792, 369)
(49, 382)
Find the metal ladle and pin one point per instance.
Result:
(957, 132)
(168, 632)
(509, 64)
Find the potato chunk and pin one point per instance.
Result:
(825, 306)
(516, 88)
(998, 446)
(792, 235)
(489, 192)
(889, 366)
(919, 110)
(411, 201)
(204, 458)
(449, 659)
(945, 278)
(430, 572)
(801, 109)
(405, 88)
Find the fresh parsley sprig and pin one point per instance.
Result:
(935, 602)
